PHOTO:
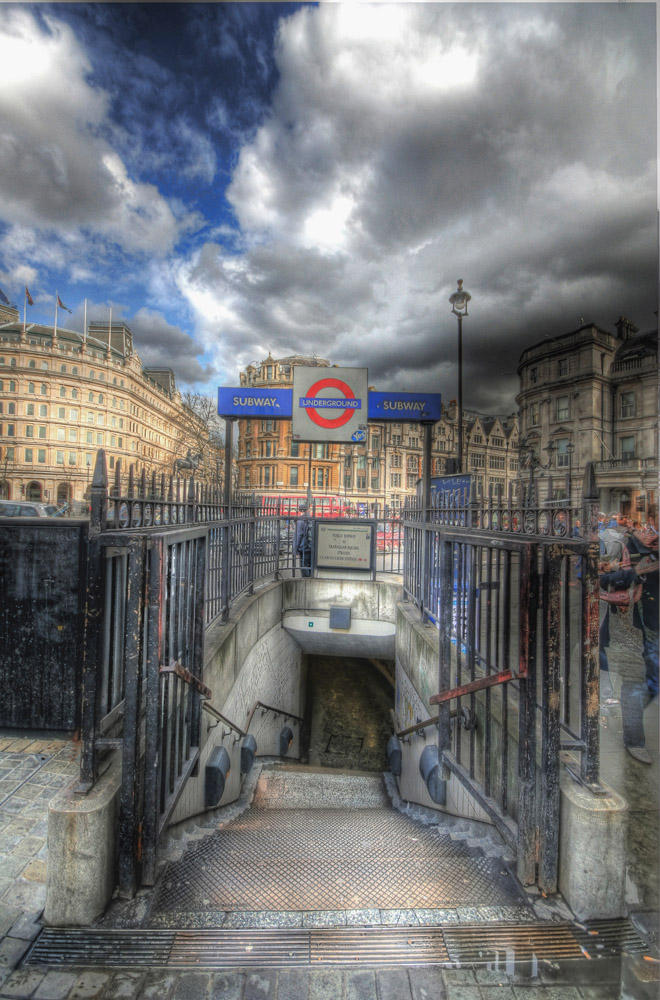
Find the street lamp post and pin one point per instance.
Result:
(534, 462)
(459, 303)
(570, 448)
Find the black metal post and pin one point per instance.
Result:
(459, 458)
(426, 501)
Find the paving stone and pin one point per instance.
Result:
(458, 992)
(393, 984)
(427, 984)
(89, 984)
(546, 992)
(55, 986)
(292, 984)
(326, 984)
(260, 986)
(157, 985)
(125, 985)
(26, 927)
(12, 951)
(229, 986)
(29, 846)
(456, 976)
(192, 986)
(21, 984)
(601, 992)
(25, 895)
(497, 993)
(492, 977)
(8, 917)
(360, 985)
(11, 866)
(35, 871)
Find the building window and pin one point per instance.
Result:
(535, 414)
(90, 397)
(28, 455)
(43, 410)
(43, 389)
(478, 461)
(267, 449)
(32, 364)
(90, 437)
(61, 413)
(496, 462)
(41, 456)
(11, 408)
(62, 391)
(29, 410)
(73, 414)
(74, 394)
(361, 482)
(60, 434)
(627, 446)
(395, 478)
(30, 386)
(11, 430)
(246, 478)
(562, 408)
(293, 477)
(88, 458)
(73, 434)
(533, 375)
(562, 367)
(42, 432)
(295, 449)
(268, 425)
(375, 442)
(396, 461)
(627, 404)
(29, 431)
(99, 439)
(563, 458)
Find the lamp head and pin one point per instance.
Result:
(459, 300)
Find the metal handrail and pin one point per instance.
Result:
(269, 708)
(212, 710)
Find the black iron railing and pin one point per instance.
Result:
(512, 590)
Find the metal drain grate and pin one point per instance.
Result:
(74, 946)
(610, 937)
(485, 943)
(499, 945)
(332, 859)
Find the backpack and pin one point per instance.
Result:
(613, 542)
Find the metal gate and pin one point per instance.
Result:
(42, 566)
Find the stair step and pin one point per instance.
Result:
(319, 788)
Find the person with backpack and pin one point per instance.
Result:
(304, 540)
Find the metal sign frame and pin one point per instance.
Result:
(330, 405)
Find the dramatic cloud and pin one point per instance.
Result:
(314, 179)
(412, 144)
(57, 174)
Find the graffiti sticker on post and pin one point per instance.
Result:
(330, 404)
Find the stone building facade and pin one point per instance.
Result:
(64, 396)
(592, 396)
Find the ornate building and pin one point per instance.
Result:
(383, 471)
(592, 396)
(64, 395)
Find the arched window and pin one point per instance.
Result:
(62, 391)
(92, 374)
(74, 370)
(44, 389)
(74, 394)
(2, 361)
(62, 368)
(43, 410)
(32, 364)
(100, 397)
(11, 408)
(12, 362)
(29, 409)
(30, 386)
(44, 366)
(12, 387)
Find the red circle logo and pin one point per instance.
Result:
(329, 383)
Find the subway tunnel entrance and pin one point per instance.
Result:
(347, 712)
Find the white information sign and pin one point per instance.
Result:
(343, 546)
(330, 404)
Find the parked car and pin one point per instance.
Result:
(13, 508)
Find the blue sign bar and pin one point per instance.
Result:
(403, 407)
(248, 401)
(409, 407)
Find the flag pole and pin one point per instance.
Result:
(25, 310)
(85, 324)
(55, 323)
(109, 332)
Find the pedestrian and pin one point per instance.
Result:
(304, 540)
(636, 574)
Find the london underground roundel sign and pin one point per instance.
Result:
(330, 408)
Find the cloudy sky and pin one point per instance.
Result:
(238, 178)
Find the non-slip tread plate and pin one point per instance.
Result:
(332, 859)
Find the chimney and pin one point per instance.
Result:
(625, 328)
